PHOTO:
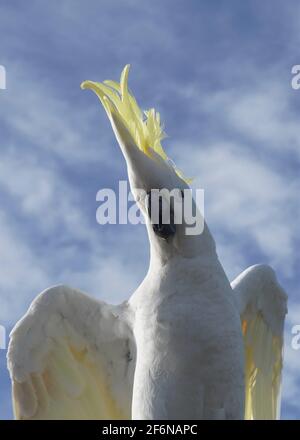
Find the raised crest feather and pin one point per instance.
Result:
(144, 126)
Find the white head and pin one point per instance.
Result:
(139, 136)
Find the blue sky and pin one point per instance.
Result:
(218, 72)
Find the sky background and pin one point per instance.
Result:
(220, 75)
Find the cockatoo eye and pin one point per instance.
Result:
(162, 229)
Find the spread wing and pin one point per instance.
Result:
(263, 306)
(72, 357)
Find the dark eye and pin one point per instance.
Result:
(163, 230)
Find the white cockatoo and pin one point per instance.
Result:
(186, 345)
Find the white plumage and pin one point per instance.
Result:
(186, 345)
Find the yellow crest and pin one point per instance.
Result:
(145, 127)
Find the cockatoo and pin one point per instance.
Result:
(186, 345)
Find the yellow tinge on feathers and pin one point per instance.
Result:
(145, 127)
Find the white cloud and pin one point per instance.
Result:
(50, 124)
(263, 113)
(41, 193)
(247, 200)
(21, 273)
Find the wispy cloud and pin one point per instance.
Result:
(248, 200)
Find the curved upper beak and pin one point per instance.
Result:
(144, 172)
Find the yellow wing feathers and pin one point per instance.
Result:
(263, 305)
(263, 365)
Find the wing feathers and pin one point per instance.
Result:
(262, 303)
(67, 359)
